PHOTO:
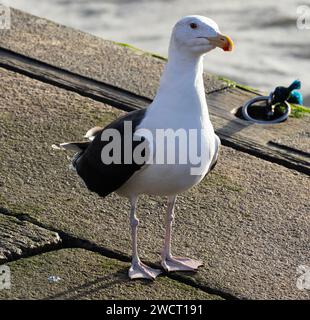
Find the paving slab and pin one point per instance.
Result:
(20, 238)
(82, 274)
(248, 220)
(107, 61)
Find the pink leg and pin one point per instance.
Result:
(169, 262)
(138, 270)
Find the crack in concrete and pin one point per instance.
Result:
(69, 241)
(30, 251)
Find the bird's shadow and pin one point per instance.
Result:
(95, 286)
(109, 281)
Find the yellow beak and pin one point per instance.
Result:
(222, 41)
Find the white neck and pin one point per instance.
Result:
(181, 84)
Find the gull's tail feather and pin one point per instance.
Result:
(74, 146)
(78, 147)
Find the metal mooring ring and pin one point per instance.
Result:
(268, 100)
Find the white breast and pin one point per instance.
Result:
(168, 179)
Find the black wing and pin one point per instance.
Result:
(102, 178)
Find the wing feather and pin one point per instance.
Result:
(102, 178)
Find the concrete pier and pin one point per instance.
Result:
(248, 220)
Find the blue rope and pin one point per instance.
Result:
(289, 94)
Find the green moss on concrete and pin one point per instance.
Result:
(224, 182)
(158, 56)
(17, 209)
(298, 111)
(229, 82)
(101, 118)
(20, 208)
(129, 46)
(247, 88)
(234, 84)
(140, 51)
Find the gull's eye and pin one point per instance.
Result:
(193, 25)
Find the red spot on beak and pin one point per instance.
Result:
(229, 45)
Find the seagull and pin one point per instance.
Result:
(179, 107)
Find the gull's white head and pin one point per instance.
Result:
(198, 35)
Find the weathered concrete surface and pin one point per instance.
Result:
(19, 238)
(87, 275)
(99, 59)
(248, 221)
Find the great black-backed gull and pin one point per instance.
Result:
(180, 104)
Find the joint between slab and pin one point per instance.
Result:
(71, 242)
